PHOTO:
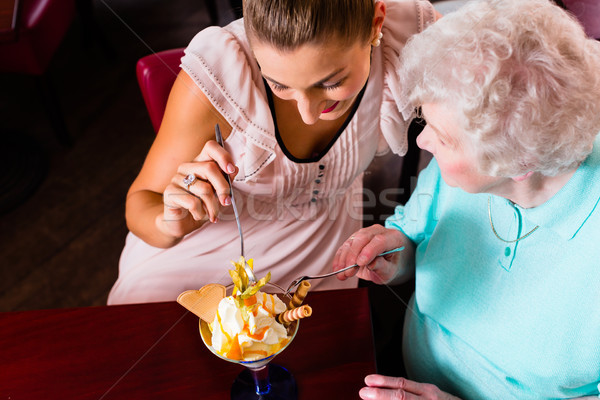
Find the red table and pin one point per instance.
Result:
(154, 351)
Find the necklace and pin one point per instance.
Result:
(496, 233)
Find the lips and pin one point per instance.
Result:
(330, 109)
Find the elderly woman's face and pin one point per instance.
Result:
(323, 81)
(443, 137)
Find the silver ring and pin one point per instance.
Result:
(189, 181)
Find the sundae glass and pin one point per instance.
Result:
(244, 323)
(260, 380)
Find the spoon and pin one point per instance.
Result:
(249, 272)
(296, 282)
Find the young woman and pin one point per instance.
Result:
(306, 94)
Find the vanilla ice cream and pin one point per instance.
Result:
(247, 330)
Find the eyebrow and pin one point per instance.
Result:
(319, 83)
(438, 131)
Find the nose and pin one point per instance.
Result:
(308, 107)
(424, 139)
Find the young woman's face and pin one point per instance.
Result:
(443, 137)
(323, 81)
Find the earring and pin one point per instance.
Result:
(377, 40)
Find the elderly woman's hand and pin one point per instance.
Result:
(197, 191)
(363, 247)
(381, 387)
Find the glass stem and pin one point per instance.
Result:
(261, 379)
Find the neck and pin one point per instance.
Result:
(536, 189)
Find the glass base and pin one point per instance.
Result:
(283, 385)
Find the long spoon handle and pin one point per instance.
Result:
(249, 271)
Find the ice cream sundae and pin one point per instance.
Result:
(249, 324)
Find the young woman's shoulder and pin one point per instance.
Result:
(220, 63)
(405, 18)
(221, 50)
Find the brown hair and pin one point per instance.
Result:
(288, 24)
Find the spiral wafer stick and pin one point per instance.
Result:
(299, 295)
(289, 316)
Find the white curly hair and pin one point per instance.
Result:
(522, 76)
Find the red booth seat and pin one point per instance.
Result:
(156, 74)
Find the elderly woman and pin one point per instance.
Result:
(503, 228)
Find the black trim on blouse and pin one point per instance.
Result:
(331, 143)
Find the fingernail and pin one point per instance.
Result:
(227, 201)
(366, 393)
(230, 168)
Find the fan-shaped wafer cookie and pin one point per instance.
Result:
(204, 301)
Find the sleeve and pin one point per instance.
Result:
(220, 63)
(211, 57)
(418, 218)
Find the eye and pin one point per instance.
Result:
(278, 87)
(333, 86)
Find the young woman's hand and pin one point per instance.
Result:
(381, 387)
(197, 191)
(363, 247)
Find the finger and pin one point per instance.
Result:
(174, 213)
(392, 382)
(374, 243)
(212, 151)
(176, 222)
(348, 254)
(175, 198)
(209, 172)
(372, 393)
(345, 253)
(204, 191)
(378, 271)
(336, 264)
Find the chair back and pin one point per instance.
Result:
(156, 74)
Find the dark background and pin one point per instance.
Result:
(61, 246)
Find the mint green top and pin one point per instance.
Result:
(496, 320)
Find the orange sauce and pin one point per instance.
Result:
(259, 334)
(265, 303)
(221, 326)
(235, 352)
(250, 301)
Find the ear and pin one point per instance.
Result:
(378, 17)
(521, 178)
